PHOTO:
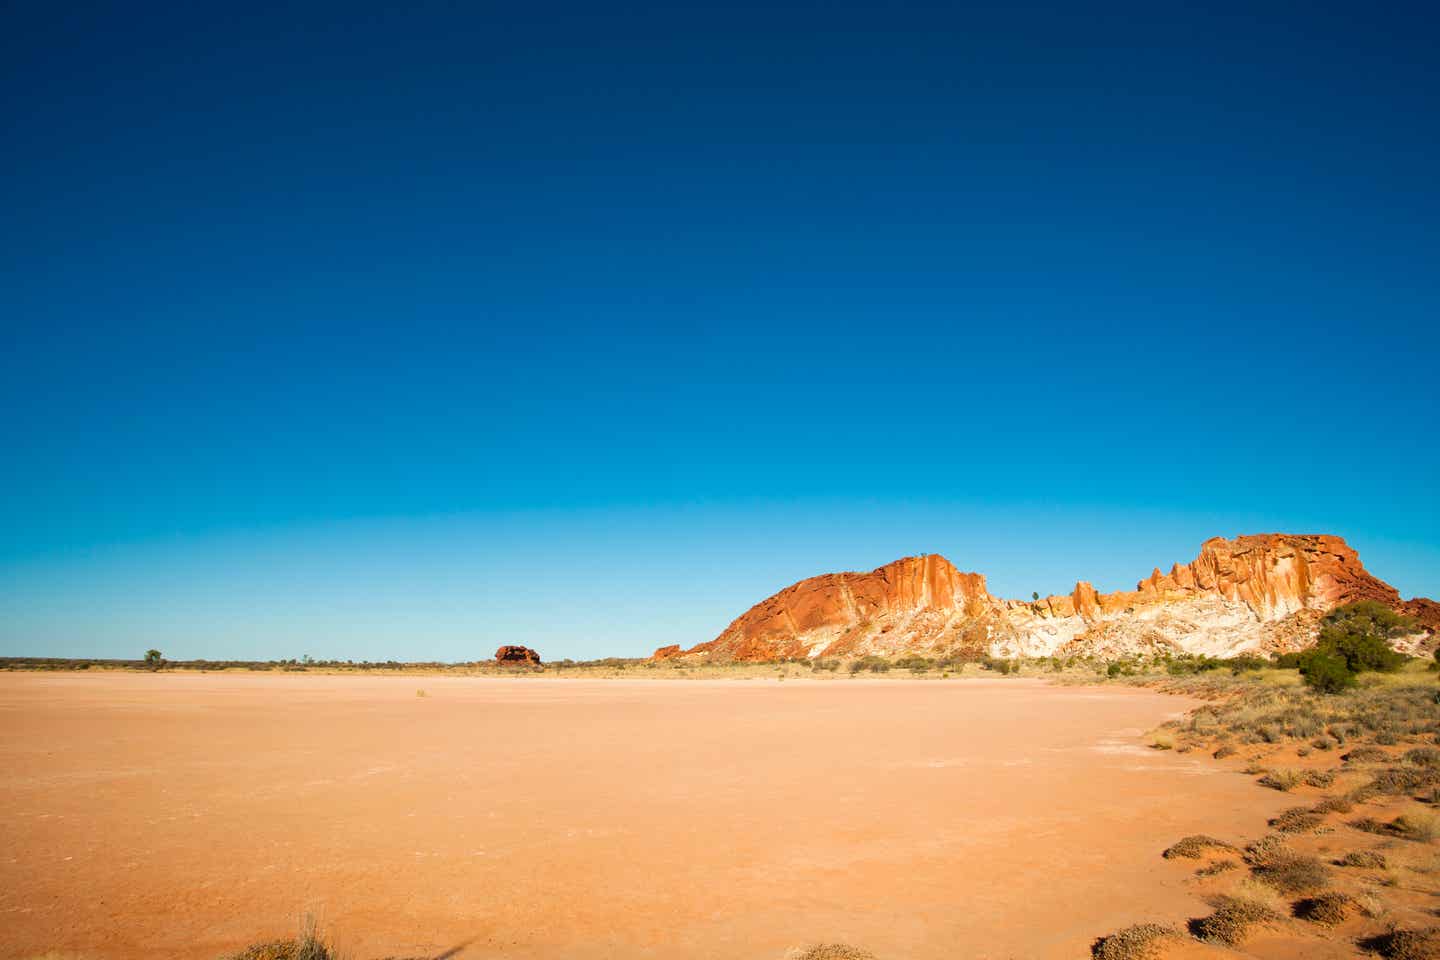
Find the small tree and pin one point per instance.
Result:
(154, 659)
(1035, 595)
(1360, 634)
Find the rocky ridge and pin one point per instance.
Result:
(1259, 593)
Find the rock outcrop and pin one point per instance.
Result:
(517, 655)
(1253, 593)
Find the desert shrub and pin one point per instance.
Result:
(1283, 780)
(1245, 662)
(1320, 778)
(1140, 942)
(820, 664)
(872, 663)
(1223, 751)
(1195, 846)
(1367, 859)
(1406, 944)
(1423, 757)
(1232, 920)
(1001, 666)
(1297, 820)
(1328, 909)
(1293, 874)
(1366, 755)
(1323, 743)
(915, 664)
(1387, 738)
(833, 951)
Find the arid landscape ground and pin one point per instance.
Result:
(167, 815)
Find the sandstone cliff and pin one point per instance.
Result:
(1253, 593)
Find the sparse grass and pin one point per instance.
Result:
(1418, 825)
(1232, 921)
(1143, 941)
(1334, 805)
(1223, 751)
(1328, 909)
(1218, 867)
(1196, 846)
(1319, 778)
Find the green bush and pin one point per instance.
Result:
(1326, 673)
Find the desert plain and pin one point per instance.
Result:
(169, 815)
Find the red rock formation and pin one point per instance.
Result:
(510, 654)
(832, 607)
(1233, 596)
(665, 653)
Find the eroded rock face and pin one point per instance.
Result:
(513, 654)
(1263, 592)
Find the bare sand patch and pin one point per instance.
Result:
(189, 815)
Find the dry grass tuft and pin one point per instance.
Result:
(305, 948)
(1334, 805)
(1320, 778)
(1423, 757)
(831, 951)
(1394, 781)
(1232, 921)
(1293, 874)
(1196, 846)
(1272, 846)
(1283, 780)
(1366, 859)
(1366, 755)
(1140, 942)
(1328, 909)
(1297, 820)
(1407, 944)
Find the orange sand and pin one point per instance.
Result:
(188, 815)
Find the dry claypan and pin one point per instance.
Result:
(189, 815)
(180, 814)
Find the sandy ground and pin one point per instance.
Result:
(188, 815)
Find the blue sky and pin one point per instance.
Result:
(408, 331)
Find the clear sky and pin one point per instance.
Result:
(406, 330)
